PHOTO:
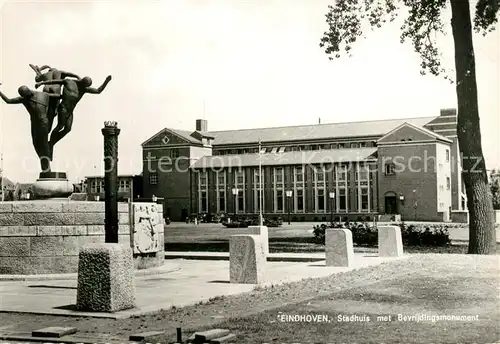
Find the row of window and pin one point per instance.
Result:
(296, 194)
(97, 186)
(296, 148)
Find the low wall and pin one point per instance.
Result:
(43, 237)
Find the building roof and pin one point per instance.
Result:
(415, 127)
(314, 131)
(288, 158)
(375, 128)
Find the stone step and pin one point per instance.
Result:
(54, 332)
(205, 336)
(139, 337)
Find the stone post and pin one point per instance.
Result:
(110, 133)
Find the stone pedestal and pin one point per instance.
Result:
(106, 278)
(52, 185)
(390, 242)
(339, 250)
(247, 259)
(264, 233)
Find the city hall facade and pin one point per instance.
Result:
(355, 170)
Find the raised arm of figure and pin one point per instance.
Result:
(100, 88)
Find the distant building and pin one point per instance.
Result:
(128, 186)
(406, 166)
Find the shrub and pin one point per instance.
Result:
(364, 234)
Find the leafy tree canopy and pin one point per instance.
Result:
(348, 19)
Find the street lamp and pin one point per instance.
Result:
(288, 199)
(235, 194)
(332, 197)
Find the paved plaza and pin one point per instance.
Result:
(179, 283)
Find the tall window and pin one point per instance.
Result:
(221, 191)
(298, 189)
(448, 184)
(239, 182)
(97, 186)
(256, 190)
(363, 185)
(319, 189)
(390, 169)
(203, 191)
(341, 187)
(342, 200)
(153, 178)
(447, 155)
(278, 189)
(124, 186)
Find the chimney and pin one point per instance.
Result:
(319, 120)
(448, 112)
(201, 125)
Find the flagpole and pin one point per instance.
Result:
(261, 221)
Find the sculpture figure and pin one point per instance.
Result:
(51, 74)
(72, 92)
(37, 104)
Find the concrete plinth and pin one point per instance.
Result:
(247, 259)
(106, 278)
(339, 250)
(52, 184)
(390, 242)
(264, 233)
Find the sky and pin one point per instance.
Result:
(237, 64)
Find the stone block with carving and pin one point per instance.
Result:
(339, 250)
(106, 278)
(390, 241)
(247, 259)
(147, 225)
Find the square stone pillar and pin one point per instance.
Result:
(390, 241)
(339, 250)
(247, 259)
(106, 278)
(264, 233)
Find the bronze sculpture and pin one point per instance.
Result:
(73, 91)
(37, 104)
(44, 105)
(51, 74)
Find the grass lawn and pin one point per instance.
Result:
(430, 285)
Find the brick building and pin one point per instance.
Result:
(354, 170)
(128, 186)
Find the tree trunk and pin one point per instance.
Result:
(482, 235)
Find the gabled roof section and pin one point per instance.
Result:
(183, 136)
(288, 158)
(408, 132)
(313, 132)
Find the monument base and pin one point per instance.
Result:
(106, 280)
(52, 185)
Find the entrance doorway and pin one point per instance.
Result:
(391, 205)
(184, 214)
